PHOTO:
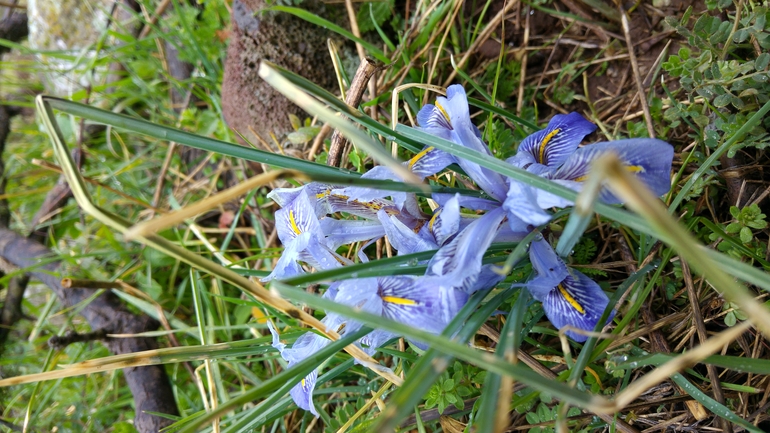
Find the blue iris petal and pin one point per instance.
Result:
(403, 238)
(429, 162)
(547, 149)
(578, 301)
(568, 296)
(306, 345)
(522, 202)
(649, 159)
(459, 261)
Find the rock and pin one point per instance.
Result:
(281, 38)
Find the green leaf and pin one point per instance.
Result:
(762, 61)
(722, 100)
(746, 235)
(448, 385)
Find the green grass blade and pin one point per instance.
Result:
(292, 375)
(161, 132)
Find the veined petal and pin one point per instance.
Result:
(550, 269)
(551, 146)
(522, 203)
(413, 301)
(287, 265)
(296, 218)
(577, 301)
(314, 190)
(402, 238)
(429, 162)
(343, 232)
(306, 345)
(302, 393)
(434, 121)
(649, 159)
(445, 221)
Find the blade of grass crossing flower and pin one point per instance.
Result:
(292, 375)
(497, 391)
(636, 195)
(77, 184)
(167, 133)
(733, 266)
(432, 364)
(357, 137)
(594, 403)
(379, 268)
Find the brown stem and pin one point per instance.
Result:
(357, 88)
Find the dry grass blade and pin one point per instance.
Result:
(155, 225)
(636, 195)
(359, 138)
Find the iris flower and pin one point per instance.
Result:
(568, 296)
(553, 153)
(450, 119)
(421, 302)
(443, 225)
(307, 239)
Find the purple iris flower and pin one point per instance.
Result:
(427, 162)
(553, 153)
(307, 239)
(421, 302)
(444, 224)
(568, 296)
(450, 119)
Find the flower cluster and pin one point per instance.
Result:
(311, 234)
